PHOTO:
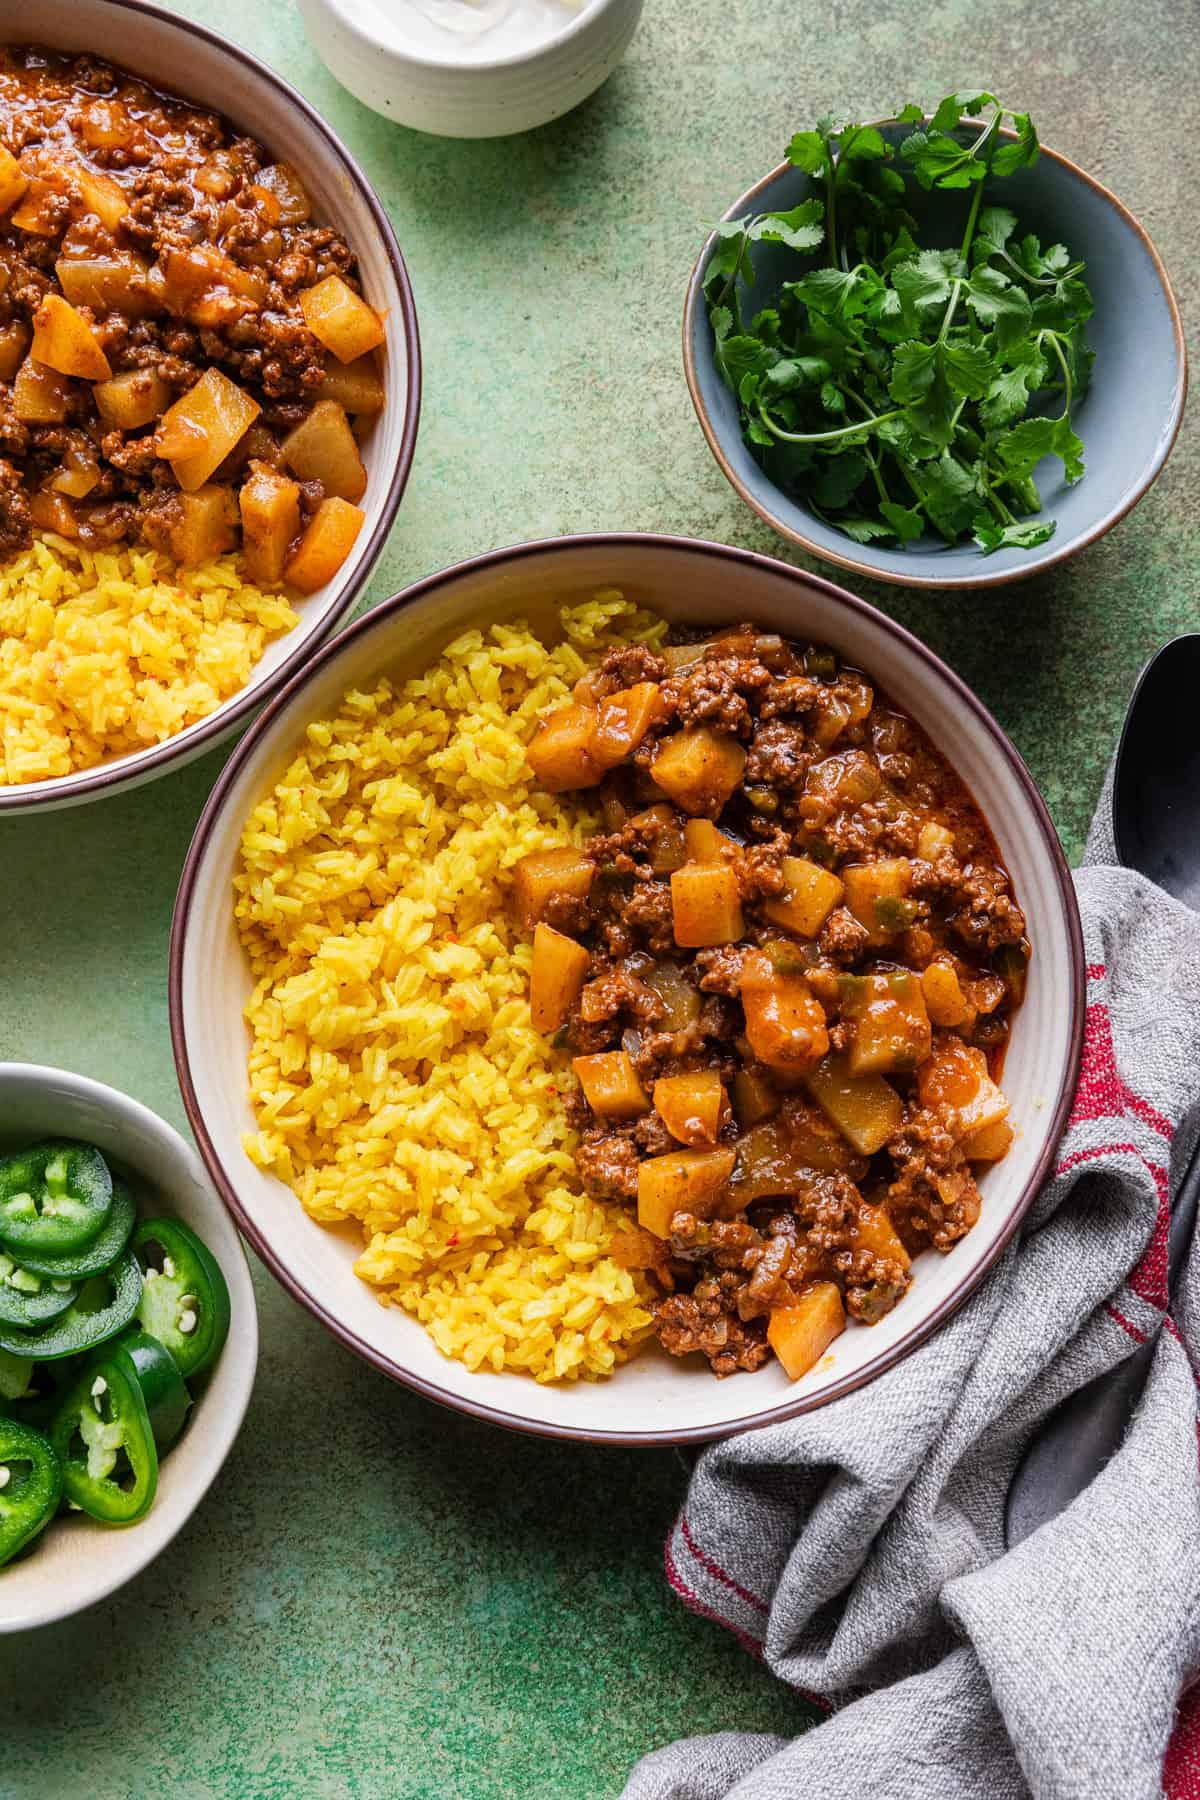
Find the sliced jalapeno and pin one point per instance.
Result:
(103, 1307)
(185, 1302)
(103, 1436)
(103, 1250)
(31, 1485)
(14, 1375)
(163, 1387)
(54, 1198)
(30, 1301)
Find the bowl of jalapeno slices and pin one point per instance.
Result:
(128, 1340)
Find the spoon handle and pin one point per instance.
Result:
(1085, 1430)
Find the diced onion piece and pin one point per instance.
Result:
(326, 543)
(341, 319)
(800, 1334)
(691, 1181)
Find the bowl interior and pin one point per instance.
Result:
(654, 1395)
(77, 1562)
(186, 61)
(1127, 420)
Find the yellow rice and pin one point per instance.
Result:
(396, 1079)
(103, 652)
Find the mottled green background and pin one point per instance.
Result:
(378, 1598)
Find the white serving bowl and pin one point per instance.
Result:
(189, 60)
(655, 1399)
(76, 1562)
(478, 99)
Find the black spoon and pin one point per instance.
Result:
(1156, 825)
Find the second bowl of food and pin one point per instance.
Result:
(627, 988)
(209, 361)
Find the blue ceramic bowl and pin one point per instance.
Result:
(1128, 420)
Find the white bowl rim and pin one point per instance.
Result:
(226, 1186)
(354, 27)
(90, 783)
(227, 1424)
(980, 578)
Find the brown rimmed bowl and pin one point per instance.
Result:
(187, 59)
(654, 1399)
(1128, 420)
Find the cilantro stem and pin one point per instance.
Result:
(969, 233)
(824, 437)
(1066, 371)
(1037, 280)
(831, 206)
(951, 309)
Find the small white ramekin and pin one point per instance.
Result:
(452, 98)
(76, 1562)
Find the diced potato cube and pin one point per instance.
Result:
(622, 721)
(754, 1099)
(704, 843)
(877, 895)
(945, 1001)
(358, 386)
(991, 1143)
(38, 211)
(610, 1085)
(699, 769)
(40, 394)
(800, 1334)
(785, 1022)
(107, 283)
(323, 448)
(14, 343)
(955, 1083)
(205, 525)
(875, 1232)
(205, 286)
(13, 180)
(691, 1106)
(202, 427)
(327, 541)
(132, 398)
(63, 340)
(543, 874)
(100, 194)
(561, 753)
(341, 319)
(811, 895)
(891, 1025)
(269, 504)
(705, 906)
(865, 1108)
(934, 841)
(53, 512)
(692, 1181)
(559, 966)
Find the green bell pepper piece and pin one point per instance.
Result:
(104, 1438)
(103, 1250)
(185, 1302)
(31, 1485)
(103, 1307)
(54, 1198)
(29, 1301)
(163, 1387)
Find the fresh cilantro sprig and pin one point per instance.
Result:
(898, 388)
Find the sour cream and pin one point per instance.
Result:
(467, 31)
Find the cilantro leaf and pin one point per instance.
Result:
(862, 143)
(809, 151)
(968, 368)
(863, 531)
(911, 115)
(952, 494)
(999, 303)
(1023, 153)
(842, 475)
(1007, 397)
(799, 229)
(1021, 449)
(905, 521)
(1024, 534)
(993, 228)
(925, 281)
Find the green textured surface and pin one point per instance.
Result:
(380, 1599)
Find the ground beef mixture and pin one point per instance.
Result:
(785, 972)
(144, 243)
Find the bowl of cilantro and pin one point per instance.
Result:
(893, 371)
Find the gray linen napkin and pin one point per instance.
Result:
(860, 1549)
